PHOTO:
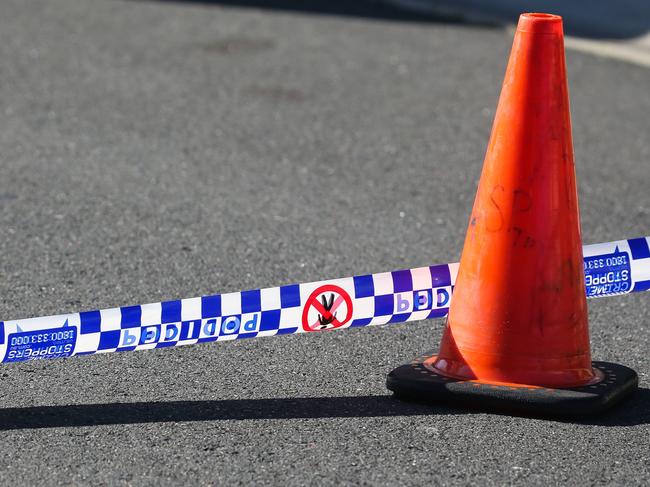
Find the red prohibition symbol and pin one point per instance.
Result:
(322, 309)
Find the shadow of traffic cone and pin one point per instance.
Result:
(517, 336)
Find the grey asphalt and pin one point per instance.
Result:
(158, 150)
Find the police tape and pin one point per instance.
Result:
(421, 293)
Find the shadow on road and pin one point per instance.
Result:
(636, 411)
(595, 19)
(213, 410)
(369, 9)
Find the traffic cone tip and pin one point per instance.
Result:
(539, 23)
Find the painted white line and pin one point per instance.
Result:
(631, 52)
(635, 52)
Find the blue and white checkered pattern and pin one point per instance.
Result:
(377, 299)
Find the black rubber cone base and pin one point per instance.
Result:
(419, 381)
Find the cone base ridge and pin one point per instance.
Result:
(559, 373)
(419, 381)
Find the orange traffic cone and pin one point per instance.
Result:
(517, 335)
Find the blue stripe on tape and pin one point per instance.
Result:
(402, 281)
(366, 300)
(384, 305)
(641, 286)
(251, 301)
(90, 322)
(190, 330)
(438, 313)
(361, 322)
(171, 311)
(400, 318)
(131, 316)
(210, 306)
(440, 276)
(126, 349)
(109, 340)
(639, 248)
(287, 331)
(290, 296)
(270, 320)
(363, 286)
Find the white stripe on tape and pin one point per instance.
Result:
(611, 268)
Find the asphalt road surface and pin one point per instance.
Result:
(158, 150)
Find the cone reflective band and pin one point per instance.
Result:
(390, 297)
(517, 334)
